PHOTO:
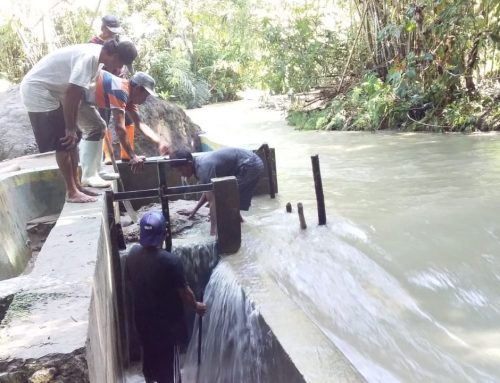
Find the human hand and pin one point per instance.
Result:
(200, 308)
(163, 148)
(136, 163)
(69, 141)
(190, 214)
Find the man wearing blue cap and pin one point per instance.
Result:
(159, 288)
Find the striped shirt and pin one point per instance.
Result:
(110, 92)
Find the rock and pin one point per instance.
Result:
(178, 222)
(171, 123)
(15, 126)
(125, 220)
(12, 377)
(52, 368)
(38, 230)
(163, 117)
(44, 375)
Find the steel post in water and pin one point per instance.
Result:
(318, 185)
(164, 202)
(300, 210)
(288, 207)
(269, 165)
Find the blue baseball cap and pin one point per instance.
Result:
(153, 226)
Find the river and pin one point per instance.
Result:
(405, 276)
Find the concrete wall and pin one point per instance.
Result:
(63, 313)
(103, 357)
(24, 195)
(311, 355)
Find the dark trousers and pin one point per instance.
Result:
(160, 359)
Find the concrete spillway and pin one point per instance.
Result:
(60, 319)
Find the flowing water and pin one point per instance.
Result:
(237, 345)
(404, 278)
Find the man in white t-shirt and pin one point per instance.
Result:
(52, 91)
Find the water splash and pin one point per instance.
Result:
(237, 345)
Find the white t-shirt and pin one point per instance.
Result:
(44, 86)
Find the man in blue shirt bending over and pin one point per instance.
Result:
(243, 164)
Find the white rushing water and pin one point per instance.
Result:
(404, 278)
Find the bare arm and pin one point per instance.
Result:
(203, 199)
(72, 99)
(150, 134)
(188, 298)
(135, 162)
(213, 214)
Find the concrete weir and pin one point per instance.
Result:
(60, 322)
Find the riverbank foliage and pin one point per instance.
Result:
(429, 65)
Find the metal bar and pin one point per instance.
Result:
(128, 206)
(164, 203)
(269, 165)
(302, 220)
(176, 190)
(136, 194)
(173, 161)
(318, 185)
(116, 270)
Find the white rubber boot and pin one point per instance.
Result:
(90, 159)
(103, 173)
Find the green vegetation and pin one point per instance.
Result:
(430, 65)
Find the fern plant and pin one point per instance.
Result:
(174, 78)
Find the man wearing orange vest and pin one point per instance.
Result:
(120, 96)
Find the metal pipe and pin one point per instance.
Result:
(269, 166)
(171, 191)
(302, 220)
(164, 203)
(318, 185)
(136, 194)
(173, 161)
(188, 189)
(288, 207)
(116, 271)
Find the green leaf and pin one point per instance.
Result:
(410, 26)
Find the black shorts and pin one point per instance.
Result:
(49, 128)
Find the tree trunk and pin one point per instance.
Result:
(470, 65)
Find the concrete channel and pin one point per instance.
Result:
(59, 321)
